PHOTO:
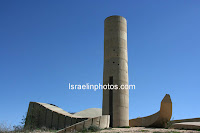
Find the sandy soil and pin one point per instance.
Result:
(135, 130)
(147, 130)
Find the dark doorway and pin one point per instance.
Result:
(111, 101)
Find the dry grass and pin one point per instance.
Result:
(5, 127)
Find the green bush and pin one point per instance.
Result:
(92, 128)
(84, 130)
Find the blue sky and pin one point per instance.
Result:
(44, 45)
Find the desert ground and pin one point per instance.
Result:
(136, 130)
(147, 130)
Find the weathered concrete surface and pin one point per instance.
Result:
(50, 116)
(186, 125)
(89, 113)
(116, 102)
(61, 121)
(192, 124)
(102, 122)
(158, 119)
(186, 120)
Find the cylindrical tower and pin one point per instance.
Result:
(116, 102)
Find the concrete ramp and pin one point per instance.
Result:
(50, 116)
(158, 119)
(102, 122)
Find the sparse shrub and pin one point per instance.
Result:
(18, 128)
(173, 132)
(4, 127)
(144, 131)
(84, 130)
(169, 124)
(125, 127)
(44, 128)
(93, 128)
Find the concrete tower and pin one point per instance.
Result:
(116, 102)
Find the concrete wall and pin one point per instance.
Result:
(186, 125)
(158, 119)
(102, 122)
(186, 120)
(52, 117)
(116, 102)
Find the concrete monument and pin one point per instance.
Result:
(158, 119)
(115, 107)
(116, 102)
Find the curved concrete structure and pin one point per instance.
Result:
(158, 119)
(192, 124)
(186, 125)
(186, 120)
(89, 113)
(102, 122)
(116, 102)
(50, 116)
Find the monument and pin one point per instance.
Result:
(115, 72)
(158, 119)
(115, 106)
